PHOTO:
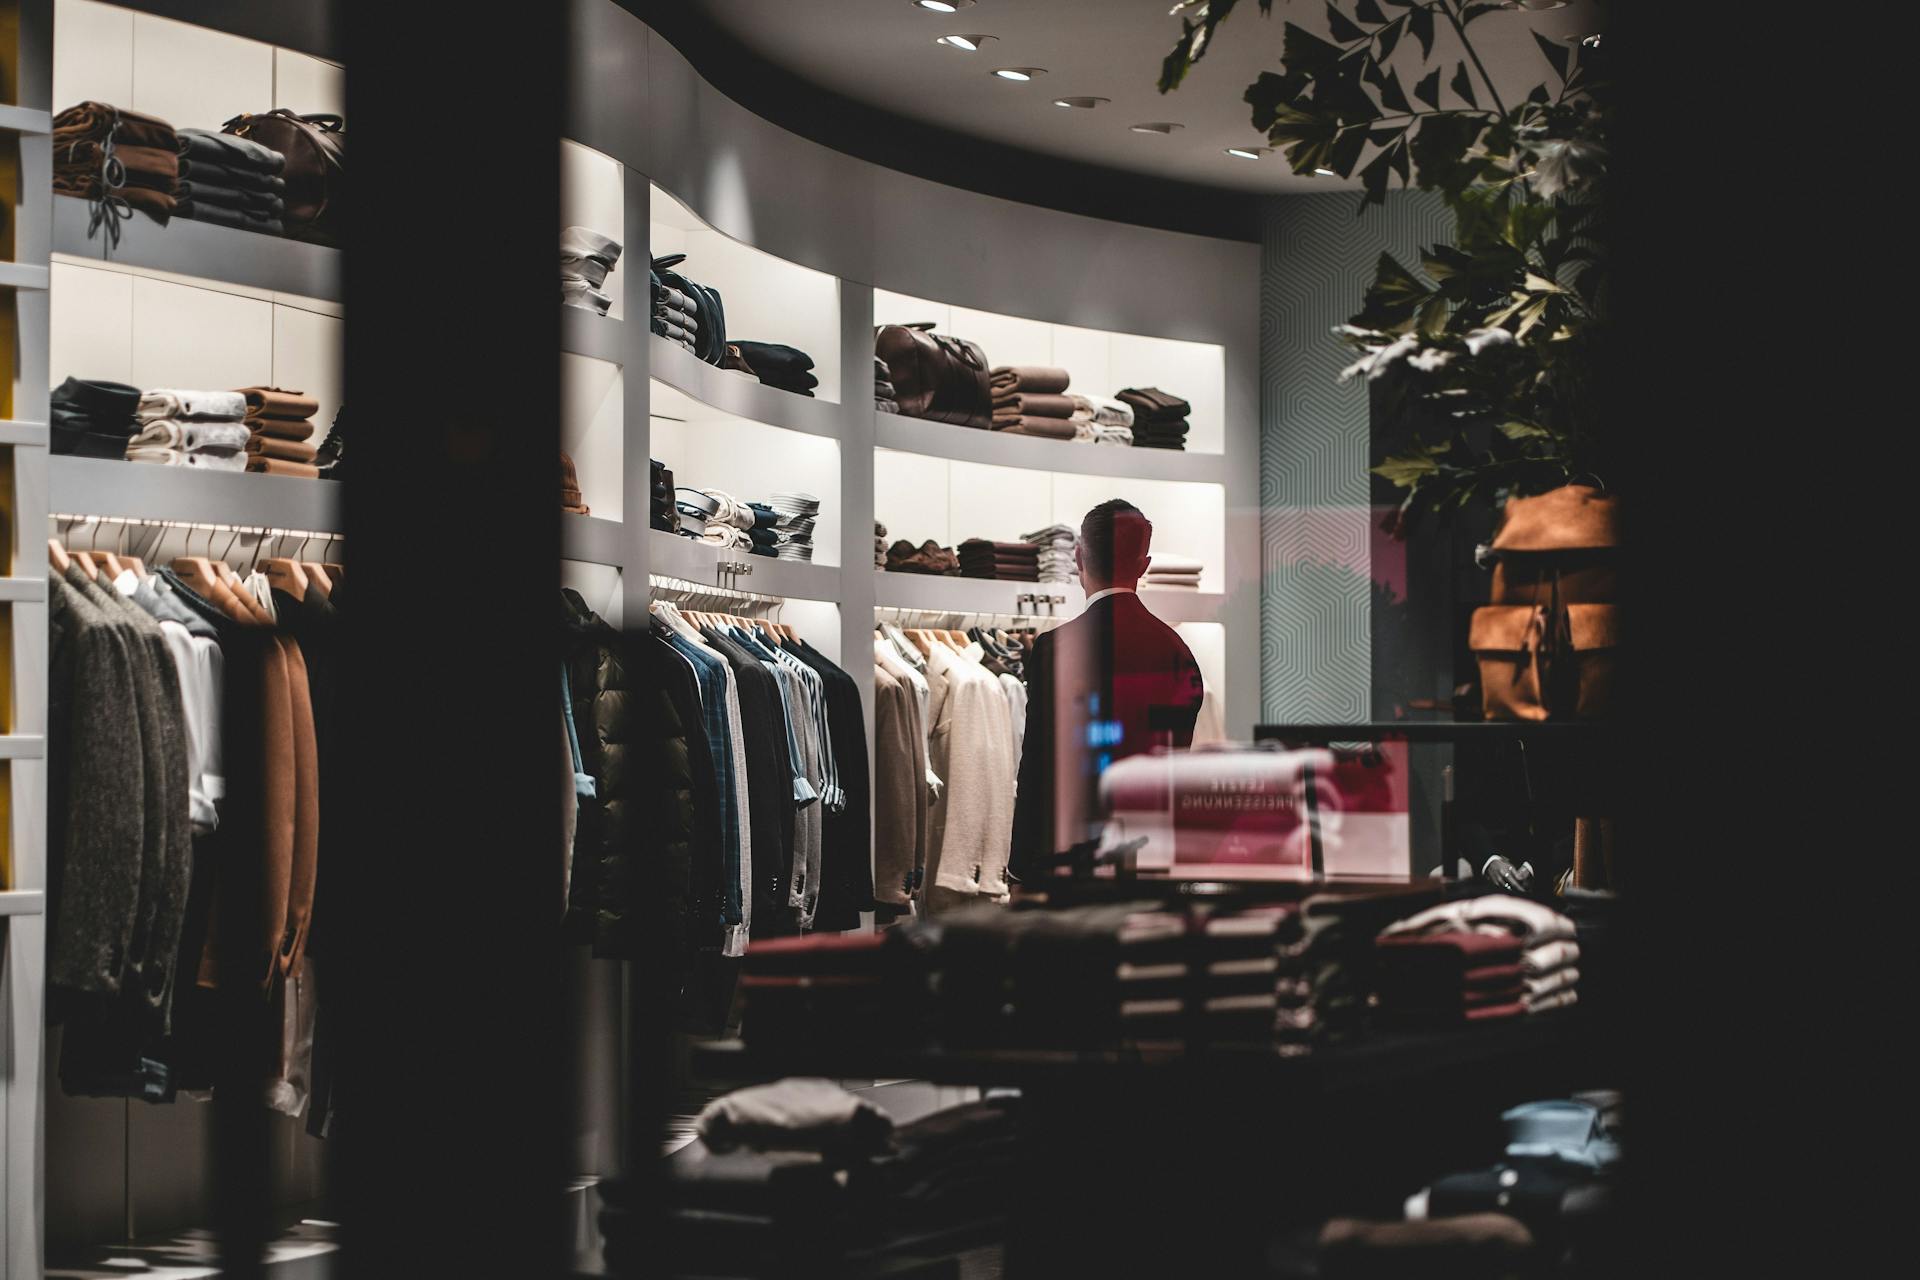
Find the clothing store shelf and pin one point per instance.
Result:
(1183, 606)
(14, 275)
(701, 562)
(998, 448)
(599, 337)
(17, 590)
(22, 746)
(27, 433)
(25, 120)
(736, 394)
(22, 902)
(937, 594)
(201, 249)
(1437, 731)
(111, 487)
(593, 540)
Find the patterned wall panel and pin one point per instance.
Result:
(1316, 259)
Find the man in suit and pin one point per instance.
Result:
(1114, 682)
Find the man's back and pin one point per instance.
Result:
(1114, 682)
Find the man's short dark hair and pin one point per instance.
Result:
(1115, 532)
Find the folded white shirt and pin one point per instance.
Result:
(165, 433)
(207, 406)
(207, 459)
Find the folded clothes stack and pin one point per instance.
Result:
(571, 502)
(884, 397)
(832, 987)
(778, 365)
(281, 424)
(879, 545)
(1005, 561)
(763, 536)
(929, 558)
(1171, 572)
(205, 429)
(231, 181)
(102, 152)
(673, 315)
(1450, 978)
(797, 513)
(1101, 420)
(1057, 543)
(1028, 401)
(1159, 419)
(661, 513)
(715, 517)
(1325, 980)
(586, 257)
(93, 419)
(1549, 955)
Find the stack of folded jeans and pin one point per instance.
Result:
(885, 399)
(571, 503)
(1174, 573)
(281, 425)
(120, 157)
(93, 419)
(586, 257)
(929, 558)
(674, 316)
(1325, 979)
(192, 429)
(1550, 953)
(231, 181)
(797, 513)
(1005, 561)
(1159, 419)
(879, 545)
(765, 521)
(1057, 545)
(778, 365)
(661, 513)
(1028, 400)
(1102, 420)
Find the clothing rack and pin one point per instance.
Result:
(131, 530)
(947, 619)
(699, 595)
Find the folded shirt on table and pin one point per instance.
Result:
(208, 192)
(275, 402)
(146, 147)
(1102, 410)
(1151, 403)
(191, 406)
(1040, 379)
(164, 433)
(575, 292)
(252, 182)
(277, 447)
(227, 150)
(206, 459)
(279, 467)
(220, 216)
(1050, 428)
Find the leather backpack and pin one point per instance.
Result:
(936, 376)
(1546, 644)
(711, 343)
(316, 174)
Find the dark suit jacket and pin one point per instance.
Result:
(1114, 682)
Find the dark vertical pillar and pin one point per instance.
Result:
(449, 1136)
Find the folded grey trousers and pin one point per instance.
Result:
(592, 270)
(575, 292)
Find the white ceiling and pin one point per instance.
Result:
(882, 53)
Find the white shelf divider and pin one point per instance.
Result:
(701, 562)
(22, 902)
(741, 396)
(189, 248)
(997, 448)
(112, 487)
(22, 590)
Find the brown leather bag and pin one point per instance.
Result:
(316, 150)
(1545, 646)
(935, 375)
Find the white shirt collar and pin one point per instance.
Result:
(1109, 591)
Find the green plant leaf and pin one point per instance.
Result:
(1387, 39)
(1524, 431)
(1440, 150)
(1386, 137)
(1433, 316)
(1392, 96)
(1401, 166)
(1368, 11)
(1479, 10)
(1558, 54)
(1269, 92)
(1428, 90)
(1407, 470)
(1343, 28)
(1306, 135)
(1374, 178)
(1463, 86)
(1527, 220)
(1420, 22)
(1305, 53)
(1540, 95)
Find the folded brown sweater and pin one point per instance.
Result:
(1038, 378)
(272, 402)
(280, 467)
(1013, 404)
(95, 120)
(277, 447)
(1051, 428)
(281, 428)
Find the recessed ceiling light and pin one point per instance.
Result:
(1322, 171)
(1157, 126)
(1019, 73)
(941, 6)
(1080, 102)
(970, 43)
(1247, 153)
(1534, 6)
